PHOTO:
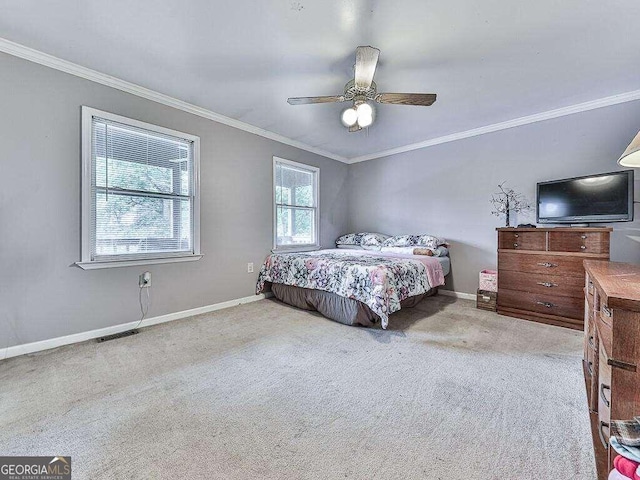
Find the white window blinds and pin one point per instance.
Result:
(142, 192)
(295, 204)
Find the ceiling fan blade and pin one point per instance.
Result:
(355, 128)
(424, 99)
(309, 100)
(366, 62)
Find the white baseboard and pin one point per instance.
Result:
(25, 348)
(451, 293)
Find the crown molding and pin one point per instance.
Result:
(516, 122)
(47, 60)
(36, 56)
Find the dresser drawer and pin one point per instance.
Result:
(588, 301)
(577, 241)
(590, 361)
(605, 332)
(593, 367)
(570, 307)
(618, 332)
(604, 397)
(590, 336)
(541, 263)
(542, 283)
(522, 240)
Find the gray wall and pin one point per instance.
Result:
(445, 189)
(442, 190)
(41, 294)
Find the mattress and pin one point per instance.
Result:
(446, 264)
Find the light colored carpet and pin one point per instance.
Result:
(267, 391)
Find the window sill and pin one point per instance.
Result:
(133, 263)
(308, 248)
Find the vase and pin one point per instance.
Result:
(507, 214)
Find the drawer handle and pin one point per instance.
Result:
(590, 341)
(515, 245)
(548, 265)
(547, 284)
(516, 235)
(605, 444)
(582, 247)
(546, 304)
(604, 387)
(583, 237)
(606, 311)
(590, 368)
(623, 365)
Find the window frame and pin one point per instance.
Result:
(316, 201)
(86, 262)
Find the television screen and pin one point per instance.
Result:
(607, 197)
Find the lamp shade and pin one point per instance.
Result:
(631, 156)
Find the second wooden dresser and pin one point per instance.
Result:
(540, 272)
(611, 351)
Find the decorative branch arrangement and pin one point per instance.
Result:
(508, 200)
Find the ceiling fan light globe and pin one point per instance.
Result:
(365, 120)
(350, 117)
(364, 110)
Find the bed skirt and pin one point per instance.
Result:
(341, 309)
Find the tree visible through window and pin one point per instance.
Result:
(296, 209)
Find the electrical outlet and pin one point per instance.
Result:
(250, 267)
(144, 281)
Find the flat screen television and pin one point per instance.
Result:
(606, 197)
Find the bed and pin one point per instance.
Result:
(354, 287)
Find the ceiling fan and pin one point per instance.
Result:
(363, 89)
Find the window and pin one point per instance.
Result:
(140, 198)
(295, 195)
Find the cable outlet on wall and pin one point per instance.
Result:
(250, 267)
(144, 281)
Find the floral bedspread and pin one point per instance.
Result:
(380, 282)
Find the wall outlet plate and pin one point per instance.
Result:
(144, 280)
(250, 267)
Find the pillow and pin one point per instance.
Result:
(417, 250)
(430, 241)
(350, 247)
(349, 239)
(373, 239)
(362, 238)
(406, 250)
(401, 241)
(423, 251)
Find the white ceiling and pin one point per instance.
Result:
(488, 61)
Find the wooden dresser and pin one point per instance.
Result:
(611, 349)
(540, 272)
